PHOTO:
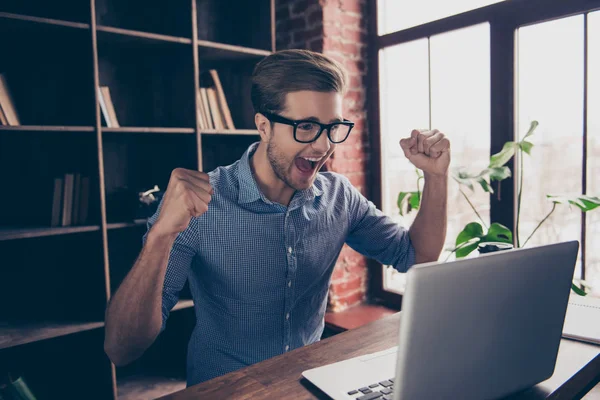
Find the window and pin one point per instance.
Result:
(550, 90)
(395, 15)
(457, 100)
(592, 263)
(455, 74)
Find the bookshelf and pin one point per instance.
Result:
(56, 279)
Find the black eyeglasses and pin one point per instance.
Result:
(308, 131)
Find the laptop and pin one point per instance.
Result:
(478, 328)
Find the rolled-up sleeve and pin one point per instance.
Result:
(376, 235)
(180, 260)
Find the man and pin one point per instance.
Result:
(258, 240)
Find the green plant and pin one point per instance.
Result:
(477, 234)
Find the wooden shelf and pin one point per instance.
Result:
(131, 36)
(147, 387)
(18, 334)
(183, 304)
(220, 51)
(27, 233)
(229, 132)
(46, 128)
(132, 129)
(17, 18)
(121, 225)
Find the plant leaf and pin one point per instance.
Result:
(532, 126)
(502, 157)
(498, 233)
(462, 177)
(485, 185)
(471, 231)
(526, 146)
(404, 202)
(577, 290)
(415, 201)
(584, 202)
(466, 250)
(498, 173)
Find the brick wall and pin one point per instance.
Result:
(337, 28)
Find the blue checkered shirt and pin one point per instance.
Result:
(259, 271)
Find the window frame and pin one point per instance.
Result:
(504, 19)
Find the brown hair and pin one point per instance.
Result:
(293, 70)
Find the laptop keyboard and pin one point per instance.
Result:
(381, 391)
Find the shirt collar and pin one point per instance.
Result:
(249, 190)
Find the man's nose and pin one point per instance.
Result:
(322, 144)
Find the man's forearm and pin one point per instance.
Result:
(428, 231)
(134, 315)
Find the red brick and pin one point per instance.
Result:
(358, 269)
(331, 30)
(353, 20)
(355, 95)
(351, 35)
(351, 5)
(358, 180)
(351, 300)
(344, 288)
(351, 49)
(339, 273)
(331, 12)
(350, 151)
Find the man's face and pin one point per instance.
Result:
(287, 157)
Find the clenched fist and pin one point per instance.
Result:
(428, 150)
(188, 194)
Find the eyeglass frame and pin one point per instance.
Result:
(291, 122)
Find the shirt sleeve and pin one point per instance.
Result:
(180, 260)
(376, 235)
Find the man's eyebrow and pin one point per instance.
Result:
(313, 118)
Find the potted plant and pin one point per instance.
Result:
(477, 235)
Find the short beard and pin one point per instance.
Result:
(278, 163)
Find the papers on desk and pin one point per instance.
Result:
(582, 321)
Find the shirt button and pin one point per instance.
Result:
(287, 348)
(287, 316)
(290, 250)
(289, 283)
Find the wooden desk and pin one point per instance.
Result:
(577, 369)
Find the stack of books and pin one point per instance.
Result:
(213, 110)
(70, 200)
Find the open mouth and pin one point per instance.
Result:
(307, 164)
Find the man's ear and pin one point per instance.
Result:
(263, 125)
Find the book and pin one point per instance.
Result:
(56, 202)
(107, 107)
(582, 321)
(222, 100)
(67, 200)
(16, 389)
(214, 108)
(205, 104)
(7, 104)
(3, 120)
(103, 109)
(201, 115)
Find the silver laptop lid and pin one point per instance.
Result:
(483, 327)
